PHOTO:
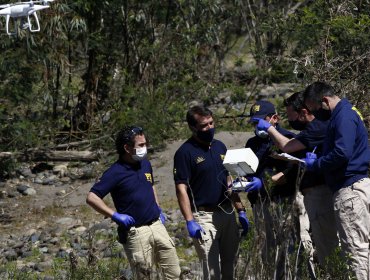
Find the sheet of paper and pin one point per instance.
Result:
(287, 157)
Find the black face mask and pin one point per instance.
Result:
(206, 135)
(322, 114)
(297, 125)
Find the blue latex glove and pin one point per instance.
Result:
(244, 222)
(194, 229)
(310, 160)
(254, 185)
(162, 216)
(261, 124)
(122, 219)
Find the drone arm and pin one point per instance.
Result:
(36, 20)
(7, 25)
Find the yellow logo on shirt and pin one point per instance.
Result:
(222, 157)
(255, 108)
(199, 160)
(149, 177)
(358, 112)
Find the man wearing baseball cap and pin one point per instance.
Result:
(282, 175)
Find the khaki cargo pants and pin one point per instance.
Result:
(218, 248)
(147, 246)
(352, 213)
(318, 202)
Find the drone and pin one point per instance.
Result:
(23, 14)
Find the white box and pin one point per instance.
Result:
(240, 162)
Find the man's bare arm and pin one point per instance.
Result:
(283, 143)
(99, 205)
(184, 202)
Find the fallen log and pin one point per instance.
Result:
(48, 155)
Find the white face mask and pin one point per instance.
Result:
(261, 133)
(140, 154)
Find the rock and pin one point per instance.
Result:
(65, 179)
(42, 266)
(22, 188)
(66, 221)
(49, 180)
(34, 237)
(54, 241)
(3, 194)
(12, 194)
(80, 229)
(29, 191)
(61, 254)
(25, 172)
(61, 192)
(60, 170)
(38, 180)
(18, 245)
(26, 254)
(44, 250)
(10, 255)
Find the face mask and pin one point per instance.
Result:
(261, 133)
(322, 114)
(140, 154)
(206, 135)
(297, 125)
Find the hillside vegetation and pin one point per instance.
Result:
(97, 65)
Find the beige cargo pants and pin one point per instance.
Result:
(147, 246)
(352, 213)
(318, 202)
(218, 248)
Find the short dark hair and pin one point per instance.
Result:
(296, 100)
(316, 91)
(197, 110)
(127, 136)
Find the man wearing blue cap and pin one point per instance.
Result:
(318, 198)
(283, 177)
(263, 146)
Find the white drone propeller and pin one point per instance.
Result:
(23, 10)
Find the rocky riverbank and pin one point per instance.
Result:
(44, 218)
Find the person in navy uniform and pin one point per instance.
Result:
(273, 184)
(344, 162)
(263, 146)
(318, 199)
(204, 198)
(140, 220)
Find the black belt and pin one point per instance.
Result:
(148, 223)
(213, 208)
(307, 190)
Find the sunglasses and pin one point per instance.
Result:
(135, 131)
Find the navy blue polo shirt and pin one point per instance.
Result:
(131, 188)
(313, 138)
(201, 169)
(346, 153)
(263, 147)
